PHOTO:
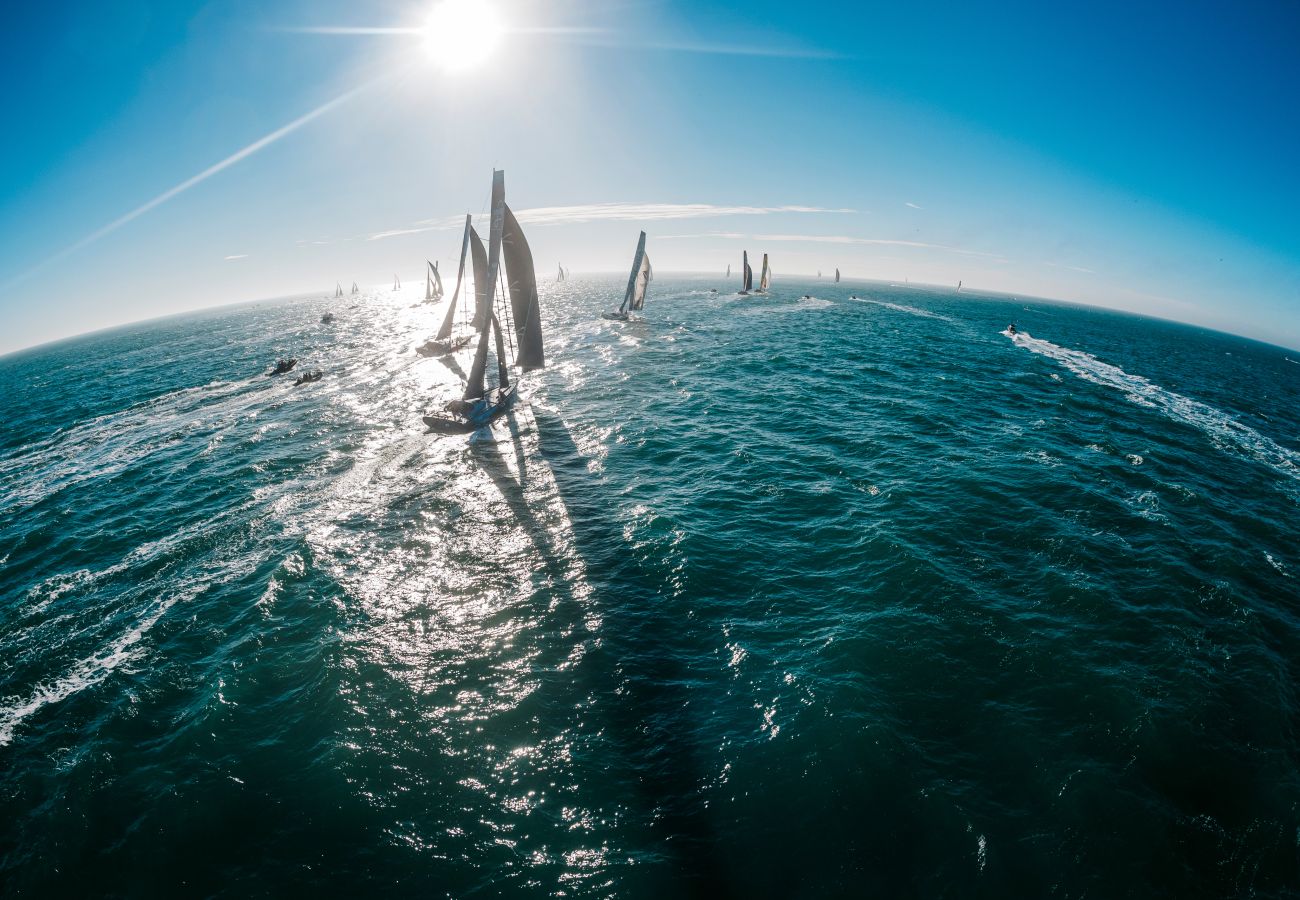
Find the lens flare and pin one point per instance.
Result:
(462, 34)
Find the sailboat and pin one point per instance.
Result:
(637, 283)
(481, 405)
(837, 275)
(432, 283)
(560, 277)
(819, 273)
(959, 287)
(444, 342)
(355, 289)
(397, 283)
(338, 289)
(765, 280)
(746, 273)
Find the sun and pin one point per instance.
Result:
(462, 34)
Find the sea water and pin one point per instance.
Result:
(862, 595)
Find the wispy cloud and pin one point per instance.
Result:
(1056, 265)
(188, 183)
(833, 239)
(913, 205)
(236, 256)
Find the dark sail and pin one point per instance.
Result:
(479, 256)
(748, 274)
(523, 296)
(445, 331)
(474, 388)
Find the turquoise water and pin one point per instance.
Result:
(756, 597)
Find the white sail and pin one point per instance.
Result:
(638, 281)
(355, 289)
(766, 278)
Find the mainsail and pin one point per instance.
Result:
(638, 281)
(474, 387)
(445, 331)
(766, 278)
(560, 277)
(747, 274)
(837, 276)
(728, 270)
(523, 296)
(355, 289)
(397, 282)
(481, 302)
(338, 289)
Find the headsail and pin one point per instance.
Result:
(524, 307)
(479, 257)
(766, 278)
(638, 281)
(445, 331)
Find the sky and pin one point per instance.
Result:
(170, 155)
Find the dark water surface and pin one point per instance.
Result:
(754, 598)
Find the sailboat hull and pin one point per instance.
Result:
(616, 316)
(482, 412)
(443, 348)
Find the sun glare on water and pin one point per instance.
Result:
(462, 34)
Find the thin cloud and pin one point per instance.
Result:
(612, 212)
(236, 256)
(835, 239)
(188, 183)
(1055, 265)
(913, 205)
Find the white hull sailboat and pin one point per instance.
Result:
(480, 404)
(637, 283)
(765, 280)
(448, 339)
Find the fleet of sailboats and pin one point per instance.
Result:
(510, 259)
(637, 283)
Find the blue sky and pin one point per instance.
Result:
(1141, 157)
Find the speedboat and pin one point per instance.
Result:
(309, 377)
(283, 366)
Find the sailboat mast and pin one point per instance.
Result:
(445, 331)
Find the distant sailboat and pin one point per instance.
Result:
(765, 280)
(837, 276)
(432, 283)
(481, 405)
(444, 342)
(728, 270)
(397, 283)
(746, 274)
(819, 273)
(560, 277)
(355, 289)
(637, 283)
(338, 289)
(959, 287)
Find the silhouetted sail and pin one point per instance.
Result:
(355, 289)
(432, 282)
(837, 276)
(766, 278)
(747, 274)
(638, 281)
(474, 387)
(728, 270)
(560, 277)
(481, 302)
(523, 296)
(959, 287)
(338, 289)
(445, 331)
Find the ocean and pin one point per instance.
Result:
(755, 597)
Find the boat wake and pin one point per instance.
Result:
(1225, 432)
(912, 310)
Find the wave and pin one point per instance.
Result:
(911, 310)
(84, 674)
(1223, 430)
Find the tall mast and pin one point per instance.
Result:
(445, 331)
(474, 388)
